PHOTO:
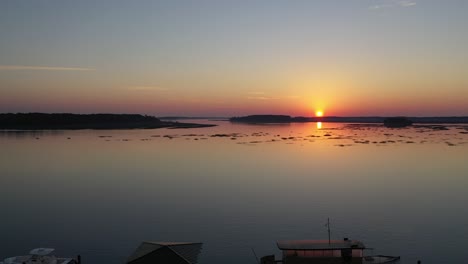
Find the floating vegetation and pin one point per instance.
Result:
(193, 135)
(220, 135)
(362, 141)
(350, 135)
(344, 145)
(433, 127)
(230, 135)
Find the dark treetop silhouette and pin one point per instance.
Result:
(89, 121)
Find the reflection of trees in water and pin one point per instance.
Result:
(29, 133)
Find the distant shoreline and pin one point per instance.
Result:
(65, 121)
(263, 119)
(42, 121)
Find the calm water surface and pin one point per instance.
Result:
(100, 193)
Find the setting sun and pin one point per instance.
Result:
(319, 113)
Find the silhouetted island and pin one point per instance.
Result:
(300, 119)
(252, 119)
(397, 122)
(38, 121)
(262, 119)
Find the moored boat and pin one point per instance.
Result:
(380, 259)
(325, 251)
(40, 255)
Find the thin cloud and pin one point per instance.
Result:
(256, 93)
(262, 98)
(147, 88)
(259, 95)
(406, 3)
(376, 7)
(41, 68)
(382, 4)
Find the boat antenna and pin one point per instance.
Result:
(258, 261)
(328, 226)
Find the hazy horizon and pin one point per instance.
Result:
(251, 114)
(234, 58)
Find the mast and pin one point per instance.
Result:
(328, 225)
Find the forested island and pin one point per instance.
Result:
(38, 121)
(366, 119)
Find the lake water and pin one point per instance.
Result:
(100, 193)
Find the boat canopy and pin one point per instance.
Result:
(319, 244)
(41, 251)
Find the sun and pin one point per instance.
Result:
(318, 113)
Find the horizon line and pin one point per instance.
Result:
(210, 116)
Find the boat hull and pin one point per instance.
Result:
(380, 259)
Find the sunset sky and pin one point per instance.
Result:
(229, 58)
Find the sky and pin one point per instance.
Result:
(232, 58)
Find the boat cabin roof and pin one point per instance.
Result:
(41, 251)
(166, 252)
(319, 244)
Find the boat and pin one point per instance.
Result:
(325, 251)
(41, 255)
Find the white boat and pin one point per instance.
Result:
(40, 255)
